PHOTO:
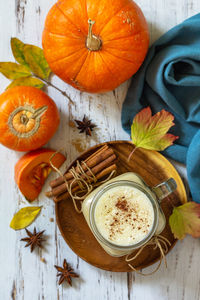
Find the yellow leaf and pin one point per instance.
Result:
(150, 132)
(34, 56)
(185, 219)
(18, 51)
(26, 81)
(13, 71)
(24, 217)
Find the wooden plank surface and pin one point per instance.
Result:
(23, 276)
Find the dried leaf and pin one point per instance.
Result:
(34, 56)
(24, 217)
(185, 219)
(26, 81)
(13, 71)
(18, 51)
(150, 132)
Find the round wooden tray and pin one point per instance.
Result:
(154, 169)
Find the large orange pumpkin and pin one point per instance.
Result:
(95, 45)
(28, 118)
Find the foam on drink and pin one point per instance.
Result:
(124, 215)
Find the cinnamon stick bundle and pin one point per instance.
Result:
(91, 161)
(99, 176)
(99, 163)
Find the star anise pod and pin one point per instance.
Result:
(65, 273)
(85, 126)
(34, 239)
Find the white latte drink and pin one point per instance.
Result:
(124, 215)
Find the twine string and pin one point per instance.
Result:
(68, 188)
(158, 241)
(52, 165)
(92, 174)
(85, 182)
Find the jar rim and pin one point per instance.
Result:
(109, 186)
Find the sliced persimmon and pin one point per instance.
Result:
(33, 168)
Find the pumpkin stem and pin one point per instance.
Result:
(93, 43)
(39, 112)
(24, 119)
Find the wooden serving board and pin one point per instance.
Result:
(154, 169)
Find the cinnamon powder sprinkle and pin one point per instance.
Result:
(122, 204)
(124, 216)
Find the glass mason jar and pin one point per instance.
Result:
(154, 195)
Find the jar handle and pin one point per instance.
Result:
(164, 189)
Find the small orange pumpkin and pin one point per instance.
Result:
(32, 169)
(95, 45)
(28, 118)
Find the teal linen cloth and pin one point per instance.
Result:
(170, 79)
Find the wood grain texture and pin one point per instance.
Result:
(22, 275)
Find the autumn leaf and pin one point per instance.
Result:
(17, 47)
(30, 56)
(150, 132)
(26, 81)
(31, 59)
(185, 219)
(24, 217)
(34, 56)
(31, 68)
(14, 71)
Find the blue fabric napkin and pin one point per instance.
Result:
(170, 79)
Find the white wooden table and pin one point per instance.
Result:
(23, 275)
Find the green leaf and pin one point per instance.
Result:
(26, 81)
(24, 217)
(13, 71)
(150, 132)
(18, 51)
(185, 219)
(34, 56)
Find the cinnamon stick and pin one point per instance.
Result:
(102, 149)
(99, 176)
(56, 191)
(91, 161)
